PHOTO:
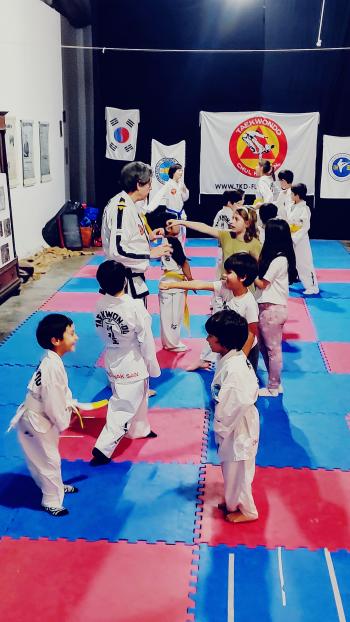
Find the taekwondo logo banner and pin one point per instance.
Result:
(163, 157)
(121, 133)
(232, 143)
(335, 180)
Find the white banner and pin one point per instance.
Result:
(335, 179)
(162, 158)
(121, 133)
(233, 142)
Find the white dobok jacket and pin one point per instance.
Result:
(298, 218)
(125, 327)
(49, 400)
(125, 239)
(236, 421)
(284, 202)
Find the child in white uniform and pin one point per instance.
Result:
(236, 421)
(284, 199)
(172, 302)
(298, 218)
(46, 411)
(175, 195)
(240, 271)
(265, 184)
(130, 358)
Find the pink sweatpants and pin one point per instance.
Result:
(271, 321)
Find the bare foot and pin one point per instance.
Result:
(199, 365)
(238, 517)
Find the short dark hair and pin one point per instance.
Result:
(135, 173)
(53, 325)
(288, 176)
(267, 211)
(111, 277)
(244, 265)
(172, 170)
(300, 190)
(233, 196)
(230, 329)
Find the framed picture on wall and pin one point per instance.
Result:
(44, 152)
(11, 150)
(5, 254)
(7, 250)
(27, 153)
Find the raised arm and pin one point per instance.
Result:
(188, 285)
(201, 227)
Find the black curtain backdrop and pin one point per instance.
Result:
(170, 89)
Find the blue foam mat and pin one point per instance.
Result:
(122, 501)
(331, 318)
(312, 393)
(175, 388)
(300, 356)
(14, 381)
(327, 290)
(295, 440)
(330, 254)
(22, 348)
(201, 242)
(255, 581)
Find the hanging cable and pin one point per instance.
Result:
(207, 51)
(319, 40)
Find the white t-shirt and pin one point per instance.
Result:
(223, 218)
(245, 305)
(277, 274)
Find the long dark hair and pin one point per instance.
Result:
(278, 243)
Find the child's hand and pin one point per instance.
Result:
(156, 234)
(166, 284)
(173, 222)
(160, 250)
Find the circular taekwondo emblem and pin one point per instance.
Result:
(339, 166)
(256, 138)
(121, 134)
(162, 169)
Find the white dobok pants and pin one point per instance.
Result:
(127, 414)
(171, 310)
(43, 461)
(238, 477)
(305, 264)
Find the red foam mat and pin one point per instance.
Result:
(72, 301)
(299, 324)
(173, 360)
(297, 507)
(180, 437)
(337, 356)
(94, 581)
(338, 275)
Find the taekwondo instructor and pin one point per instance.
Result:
(125, 237)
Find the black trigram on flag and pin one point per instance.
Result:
(113, 146)
(130, 123)
(128, 147)
(114, 121)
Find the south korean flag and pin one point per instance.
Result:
(121, 133)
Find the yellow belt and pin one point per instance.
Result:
(181, 277)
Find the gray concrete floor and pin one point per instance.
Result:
(34, 293)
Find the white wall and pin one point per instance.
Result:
(31, 89)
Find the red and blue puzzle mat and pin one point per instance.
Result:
(144, 539)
